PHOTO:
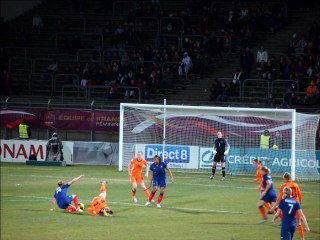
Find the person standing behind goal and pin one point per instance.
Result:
(221, 149)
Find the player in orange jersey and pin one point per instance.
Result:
(296, 195)
(135, 173)
(98, 204)
(257, 164)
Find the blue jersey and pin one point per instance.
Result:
(271, 195)
(265, 178)
(159, 171)
(289, 207)
(61, 197)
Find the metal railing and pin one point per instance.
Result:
(40, 82)
(229, 80)
(167, 40)
(146, 23)
(16, 50)
(75, 79)
(25, 64)
(295, 82)
(89, 54)
(89, 91)
(84, 38)
(259, 83)
(65, 20)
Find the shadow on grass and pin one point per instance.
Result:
(199, 211)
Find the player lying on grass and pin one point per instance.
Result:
(63, 200)
(98, 205)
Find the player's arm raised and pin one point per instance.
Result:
(75, 180)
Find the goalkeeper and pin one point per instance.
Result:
(221, 149)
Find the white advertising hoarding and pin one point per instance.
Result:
(176, 156)
(20, 150)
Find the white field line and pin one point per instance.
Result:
(176, 183)
(47, 199)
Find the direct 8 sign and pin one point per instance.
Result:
(176, 154)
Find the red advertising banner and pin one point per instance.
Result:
(61, 119)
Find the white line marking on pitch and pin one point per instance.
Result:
(176, 183)
(198, 210)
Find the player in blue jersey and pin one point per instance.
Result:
(158, 169)
(288, 207)
(268, 195)
(63, 200)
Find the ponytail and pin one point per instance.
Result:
(287, 192)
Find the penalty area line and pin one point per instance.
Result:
(195, 210)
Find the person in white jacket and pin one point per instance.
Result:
(262, 55)
(186, 64)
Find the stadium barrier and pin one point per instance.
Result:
(179, 157)
(46, 163)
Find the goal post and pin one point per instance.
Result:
(184, 136)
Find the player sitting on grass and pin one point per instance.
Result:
(63, 201)
(98, 205)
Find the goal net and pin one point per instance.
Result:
(184, 136)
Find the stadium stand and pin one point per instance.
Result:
(130, 51)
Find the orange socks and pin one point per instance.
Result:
(160, 198)
(103, 187)
(300, 230)
(146, 192)
(151, 196)
(70, 209)
(75, 201)
(268, 206)
(263, 212)
(133, 193)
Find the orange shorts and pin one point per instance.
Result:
(136, 179)
(95, 210)
(298, 215)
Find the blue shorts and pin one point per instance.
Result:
(159, 182)
(287, 232)
(270, 197)
(64, 202)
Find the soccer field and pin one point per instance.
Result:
(193, 207)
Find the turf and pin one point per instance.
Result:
(193, 207)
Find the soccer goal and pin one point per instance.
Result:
(184, 136)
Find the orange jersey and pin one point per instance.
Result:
(259, 177)
(296, 193)
(96, 205)
(137, 166)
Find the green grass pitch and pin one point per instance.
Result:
(193, 207)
